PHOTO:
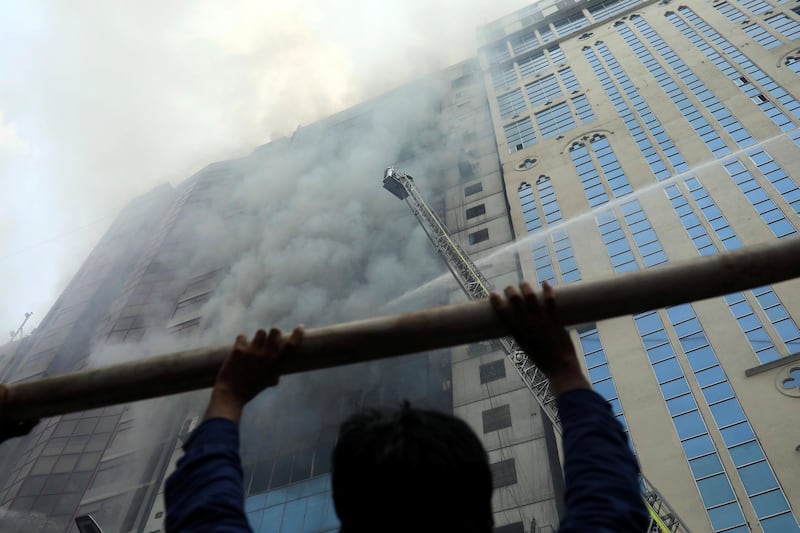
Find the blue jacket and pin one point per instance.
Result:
(601, 474)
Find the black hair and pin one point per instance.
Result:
(411, 470)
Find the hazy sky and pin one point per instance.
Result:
(100, 101)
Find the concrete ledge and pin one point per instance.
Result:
(783, 361)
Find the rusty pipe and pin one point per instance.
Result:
(427, 329)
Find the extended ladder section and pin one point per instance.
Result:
(476, 286)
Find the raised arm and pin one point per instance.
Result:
(205, 493)
(601, 474)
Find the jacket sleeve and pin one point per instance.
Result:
(205, 491)
(602, 491)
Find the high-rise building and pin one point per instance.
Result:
(632, 134)
(586, 139)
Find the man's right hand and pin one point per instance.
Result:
(540, 333)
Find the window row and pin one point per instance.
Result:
(721, 505)
(599, 372)
(744, 84)
(551, 121)
(708, 99)
(772, 216)
(702, 128)
(650, 153)
(729, 417)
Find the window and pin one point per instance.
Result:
(492, 371)
(535, 64)
(730, 12)
(519, 135)
(555, 120)
(772, 216)
(782, 183)
(504, 77)
(647, 120)
(705, 131)
(504, 473)
(583, 109)
(712, 104)
(714, 487)
(608, 8)
(570, 24)
(746, 85)
(475, 188)
(756, 474)
(543, 90)
(511, 104)
(476, 211)
(761, 36)
(496, 418)
(599, 372)
(479, 236)
(482, 348)
(524, 42)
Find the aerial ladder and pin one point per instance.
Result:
(662, 518)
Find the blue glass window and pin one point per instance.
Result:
(784, 26)
(534, 64)
(583, 109)
(511, 103)
(756, 7)
(635, 127)
(504, 77)
(597, 364)
(559, 240)
(570, 24)
(689, 111)
(555, 120)
(608, 8)
(713, 105)
(569, 80)
(746, 84)
(776, 313)
(761, 36)
(543, 90)
(785, 186)
(771, 87)
(731, 13)
(529, 210)
(519, 135)
(524, 42)
(772, 216)
(751, 465)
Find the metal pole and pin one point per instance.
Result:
(427, 329)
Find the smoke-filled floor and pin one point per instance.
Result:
(299, 232)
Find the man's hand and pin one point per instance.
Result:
(12, 428)
(249, 369)
(539, 332)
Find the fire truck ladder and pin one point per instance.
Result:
(662, 518)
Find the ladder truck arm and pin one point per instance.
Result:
(476, 286)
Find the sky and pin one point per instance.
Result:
(100, 102)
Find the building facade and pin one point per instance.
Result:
(635, 133)
(586, 139)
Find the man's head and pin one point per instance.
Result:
(411, 470)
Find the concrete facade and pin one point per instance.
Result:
(638, 137)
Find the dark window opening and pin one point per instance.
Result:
(497, 418)
(492, 371)
(479, 236)
(504, 473)
(476, 211)
(469, 190)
